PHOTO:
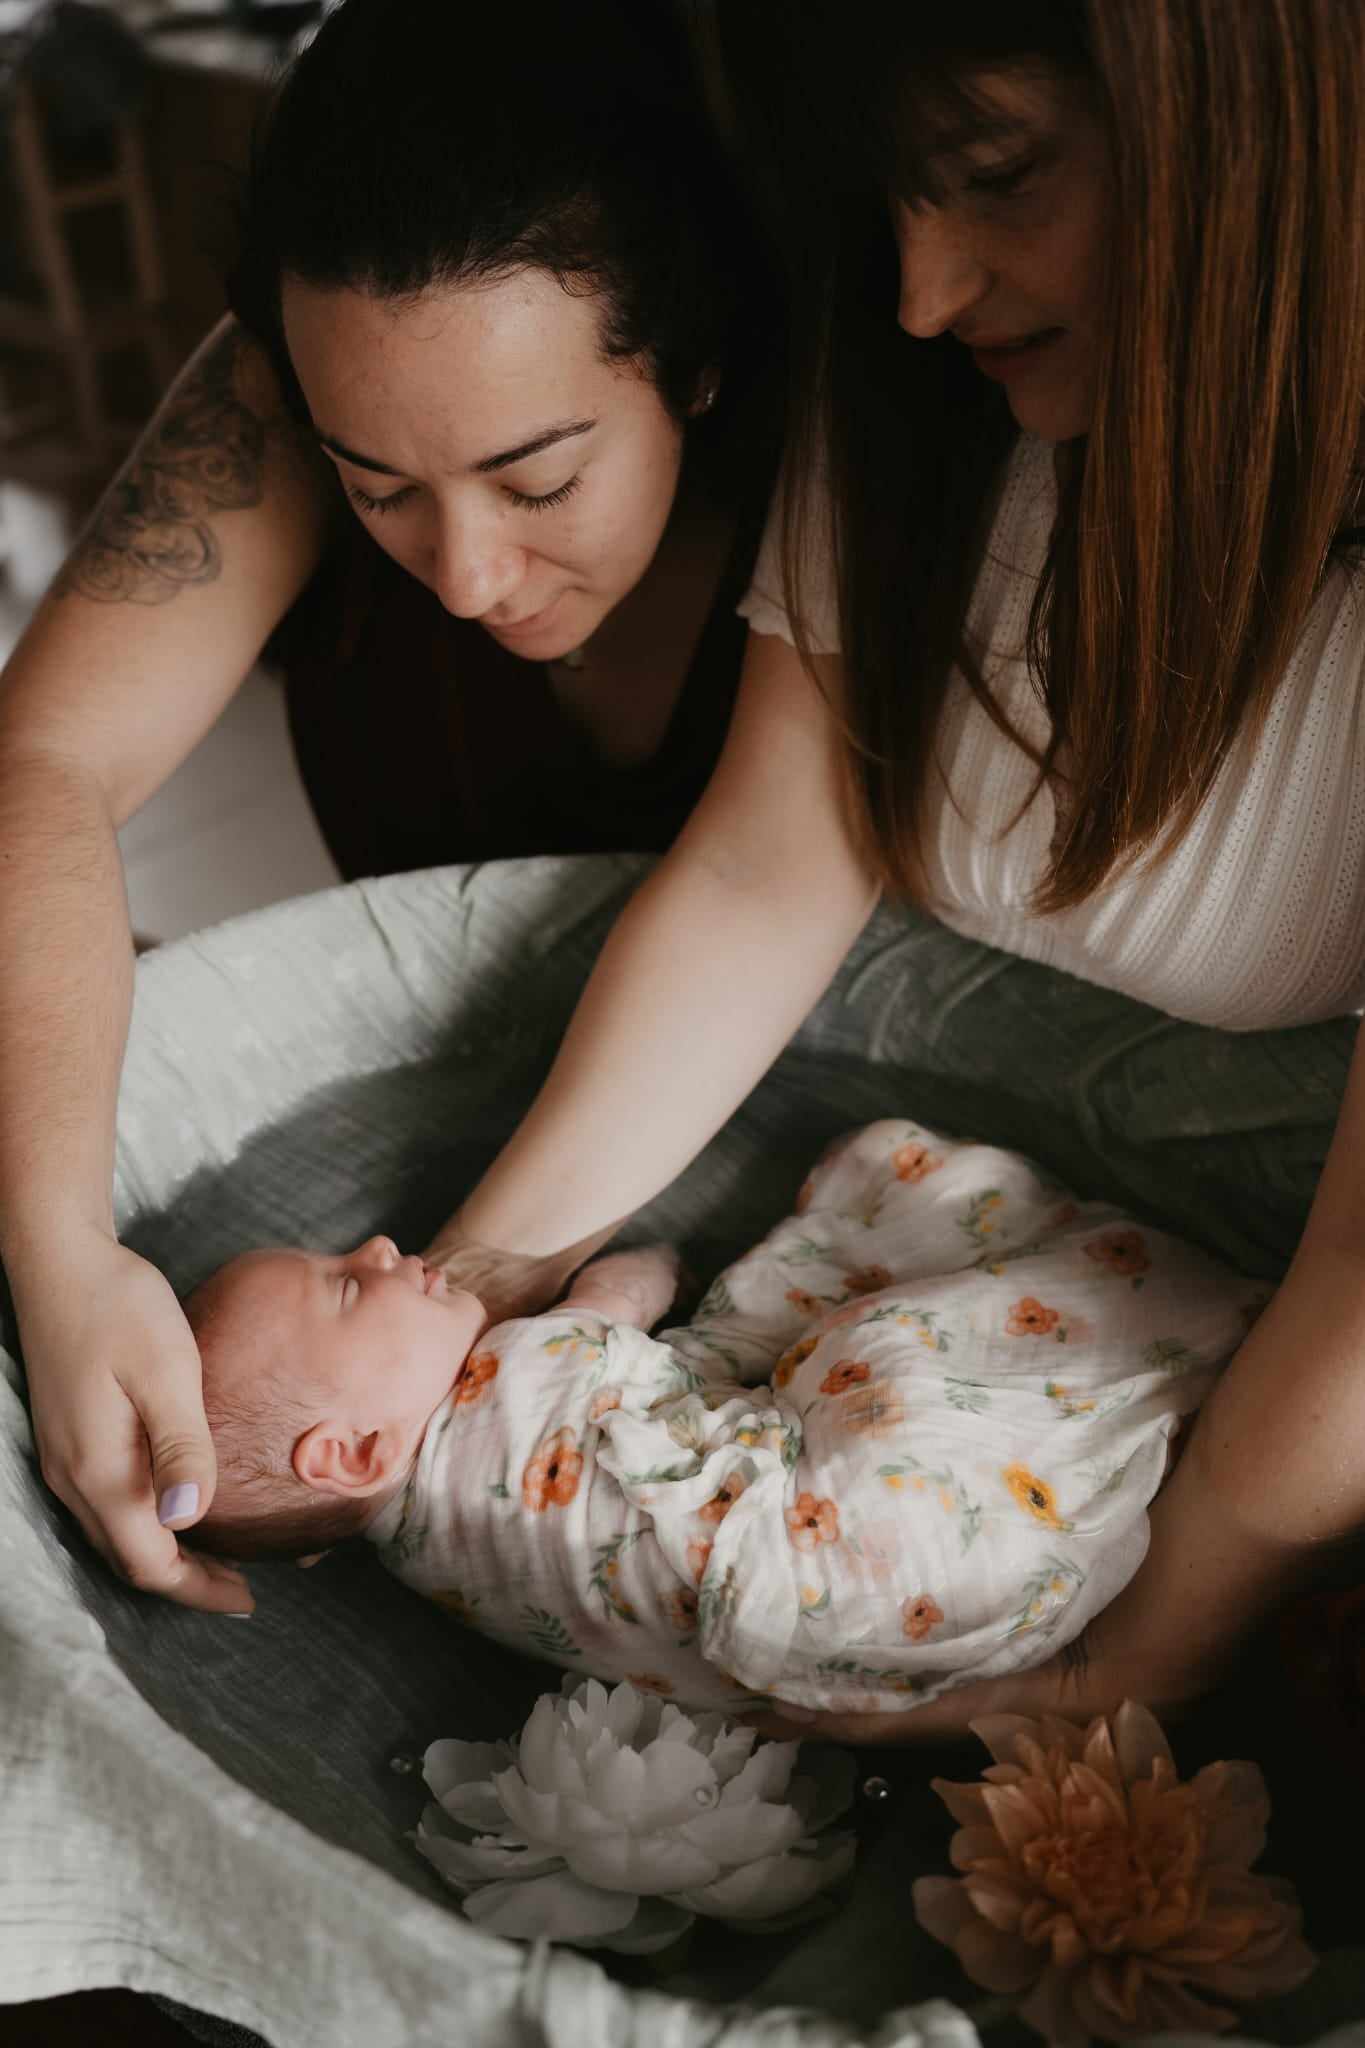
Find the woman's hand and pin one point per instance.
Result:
(1093, 1675)
(118, 1413)
(507, 1283)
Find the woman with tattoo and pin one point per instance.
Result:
(485, 444)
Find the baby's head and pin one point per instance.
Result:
(321, 1373)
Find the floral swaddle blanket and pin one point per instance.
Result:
(907, 1441)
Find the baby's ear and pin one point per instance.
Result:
(348, 1463)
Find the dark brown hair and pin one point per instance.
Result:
(1221, 470)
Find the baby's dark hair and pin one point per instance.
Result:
(260, 1507)
(419, 143)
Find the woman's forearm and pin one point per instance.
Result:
(64, 1002)
(694, 996)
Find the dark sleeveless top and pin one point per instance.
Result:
(421, 741)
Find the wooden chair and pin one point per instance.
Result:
(66, 322)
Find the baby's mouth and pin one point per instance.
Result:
(433, 1280)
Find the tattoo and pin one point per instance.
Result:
(151, 535)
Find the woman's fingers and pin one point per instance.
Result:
(119, 1416)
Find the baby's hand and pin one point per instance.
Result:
(635, 1286)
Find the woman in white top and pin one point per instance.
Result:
(1142, 226)
(1091, 691)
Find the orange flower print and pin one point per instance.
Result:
(1034, 1494)
(920, 1615)
(809, 1304)
(603, 1403)
(1123, 1251)
(682, 1610)
(1028, 1318)
(847, 1373)
(873, 1410)
(475, 1376)
(698, 1557)
(913, 1162)
(551, 1477)
(720, 1504)
(649, 1681)
(812, 1522)
(867, 1279)
(788, 1362)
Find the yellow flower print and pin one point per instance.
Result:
(788, 1362)
(1034, 1494)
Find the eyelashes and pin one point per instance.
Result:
(521, 499)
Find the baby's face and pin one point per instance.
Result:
(380, 1337)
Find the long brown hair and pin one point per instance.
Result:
(1222, 466)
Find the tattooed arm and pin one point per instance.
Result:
(197, 549)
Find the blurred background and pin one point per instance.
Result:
(123, 126)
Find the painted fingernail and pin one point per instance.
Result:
(177, 1501)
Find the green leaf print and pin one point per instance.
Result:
(1168, 1354)
(969, 1396)
(810, 1608)
(1057, 1582)
(953, 1496)
(925, 1320)
(547, 1634)
(567, 1339)
(716, 1603)
(717, 1301)
(979, 1218)
(806, 1252)
(659, 1472)
(890, 1678)
(606, 1564)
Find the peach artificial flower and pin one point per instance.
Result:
(475, 1376)
(790, 1359)
(812, 1522)
(868, 1279)
(920, 1615)
(1035, 1494)
(551, 1477)
(721, 1502)
(1118, 1900)
(912, 1162)
(1028, 1318)
(1123, 1251)
(847, 1373)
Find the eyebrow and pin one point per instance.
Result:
(504, 459)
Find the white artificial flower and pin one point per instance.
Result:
(615, 1818)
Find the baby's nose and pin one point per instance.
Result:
(380, 1251)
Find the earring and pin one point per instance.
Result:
(708, 398)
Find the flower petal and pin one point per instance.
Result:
(679, 1783)
(739, 1834)
(942, 1907)
(1138, 1741)
(766, 1774)
(624, 1708)
(825, 1787)
(477, 1806)
(774, 1884)
(1236, 1807)
(556, 1907)
(642, 1863)
(450, 1763)
(999, 1732)
(547, 1819)
(545, 1753)
(466, 1864)
(656, 1925)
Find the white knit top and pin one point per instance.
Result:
(1257, 919)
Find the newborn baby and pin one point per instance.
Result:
(907, 1441)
